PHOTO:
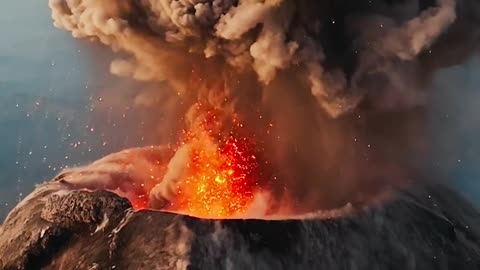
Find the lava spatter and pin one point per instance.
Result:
(222, 176)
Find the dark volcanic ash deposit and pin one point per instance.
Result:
(60, 228)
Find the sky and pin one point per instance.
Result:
(455, 121)
(49, 83)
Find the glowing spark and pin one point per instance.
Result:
(221, 178)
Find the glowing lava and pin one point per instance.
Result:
(221, 177)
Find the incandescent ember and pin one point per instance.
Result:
(220, 177)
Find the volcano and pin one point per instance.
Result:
(293, 128)
(57, 227)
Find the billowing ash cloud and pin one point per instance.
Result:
(340, 49)
(336, 87)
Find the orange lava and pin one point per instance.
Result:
(221, 176)
(139, 202)
(220, 180)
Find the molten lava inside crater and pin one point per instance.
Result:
(218, 178)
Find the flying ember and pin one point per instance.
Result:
(221, 178)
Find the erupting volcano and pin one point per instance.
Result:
(344, 82)
(220, 176)
(274, 125)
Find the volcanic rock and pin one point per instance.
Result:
(58, 228)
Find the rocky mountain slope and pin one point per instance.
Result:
(59, 228)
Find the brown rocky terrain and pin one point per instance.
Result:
(59, 228)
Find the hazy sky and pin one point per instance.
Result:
(456, 127)
(35, 62)
(47, 84)
(46, 88)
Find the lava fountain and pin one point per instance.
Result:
(220, 176)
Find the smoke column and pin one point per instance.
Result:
(333, 93)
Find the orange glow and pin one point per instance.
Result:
(139, 202)
(221, 177)
(222, 171)
(219, 182)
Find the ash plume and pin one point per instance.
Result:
(269, 37)
(335, 92)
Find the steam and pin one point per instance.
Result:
(166, 190)
(334, 91)
(128, 172)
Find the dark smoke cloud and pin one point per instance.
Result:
(342, 49)
(343, 82)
